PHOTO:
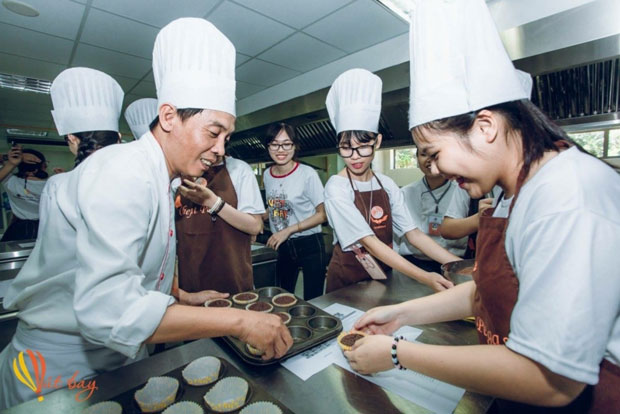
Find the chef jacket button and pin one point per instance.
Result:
(171, 233)
(161, 277)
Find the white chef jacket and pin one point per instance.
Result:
(48, 197)
(99, 277)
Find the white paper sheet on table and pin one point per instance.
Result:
(424, 391)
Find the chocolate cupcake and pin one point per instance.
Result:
(244, 298)
(218, 303)
(105, 407)
(284, 300)
(157, 394)
(286, 318)
(228, 394)
(259, 307)
(346, 340)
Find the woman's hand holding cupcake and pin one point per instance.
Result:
(381, 320)
(371, 354)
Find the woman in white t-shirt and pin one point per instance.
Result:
(546, 291)
(364, 207)
(24, 190)
(295, 200)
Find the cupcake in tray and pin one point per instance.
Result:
(260, 307)
(286, 318)
(184, 407)
(346, 340)
(228, 394)
(284, 300)
(202, 371)
(244, 298)
(261, 407)
(157, 394)
(253, 351)
(105, 407)
(218, 303)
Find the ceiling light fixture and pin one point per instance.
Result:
(401, 8)
(26, 132)
(20, 8)
(24, 84)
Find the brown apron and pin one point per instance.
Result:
(344, 269)
(497, 288)
(212, 253)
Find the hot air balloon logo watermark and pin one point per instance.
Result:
(38, 382)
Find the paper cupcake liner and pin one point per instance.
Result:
(238, 301)
(215, 300)
(261, 407)
(184, 407)
(227, 395)
(284, 305)
(249, 307)
(343, 334)
(157, 394)
(104, 407)
(202, 371)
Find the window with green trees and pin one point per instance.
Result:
(404, 158)
(601, 143)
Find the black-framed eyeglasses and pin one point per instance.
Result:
(362, 151)
(287, 146)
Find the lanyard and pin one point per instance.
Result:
(433, 195)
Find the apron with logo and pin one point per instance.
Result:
(497, 288)
(212, 253)
(344, 269)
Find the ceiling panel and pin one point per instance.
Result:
(263, 73)
(113, 63)
(245, 89)
(60, 17)
(15, 97)
(126, 83)
(17, 65)
(250, 32)
(145, 89)
(241, 59)
(120, 34)
(290, 11)
(157, 13)
(316, 53)
(27, 43)
(358, 26)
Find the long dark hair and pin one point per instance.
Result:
(538, 132)
(91, 141)
(36, 169)
(274, 129)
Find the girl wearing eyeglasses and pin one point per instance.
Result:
(364, 207)
(295, 200)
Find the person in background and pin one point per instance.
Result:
(546, 291)
(295, 201)
(139, 115)
(97, 286)
(85, 130)
(216, 217)
(363, 207)
(24, 190)
(427, 201)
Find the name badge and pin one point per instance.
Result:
(434, 221)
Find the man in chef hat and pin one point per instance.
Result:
(140, 114)
(546, 290)
(110, 262)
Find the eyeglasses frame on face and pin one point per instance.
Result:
(277, 146)
(356, 149)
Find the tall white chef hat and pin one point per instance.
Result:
(458, 62)
(140, 114)
(85, 100)
(354, 101)
(194, 66)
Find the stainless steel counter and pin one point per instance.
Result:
(332, 390)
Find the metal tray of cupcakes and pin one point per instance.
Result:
(308, 324)
(206, 385)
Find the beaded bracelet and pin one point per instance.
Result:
(394, 356)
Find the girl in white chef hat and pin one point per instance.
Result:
(365, 207)
(546, 291)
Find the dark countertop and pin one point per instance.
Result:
(332, 390)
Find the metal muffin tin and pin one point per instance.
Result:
(195, 393)
(309, 326)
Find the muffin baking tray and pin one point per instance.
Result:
(309, 326)
(188, 392)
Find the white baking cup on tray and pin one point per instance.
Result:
(202, 371)
(157, 394)
(105, 407)
(228, 394)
